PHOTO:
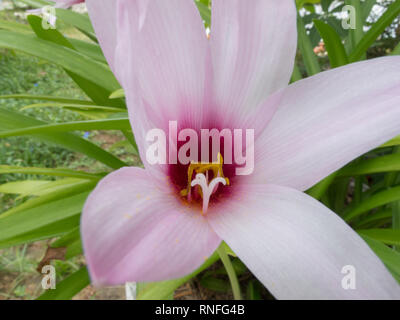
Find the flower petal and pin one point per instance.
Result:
(253, 50)
(298, 248)
(162, 61)
(103, 14)
(326, 121)
(163, 50)
(133, 229)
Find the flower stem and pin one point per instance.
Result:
(230, 271)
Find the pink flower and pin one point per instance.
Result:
(137, 225)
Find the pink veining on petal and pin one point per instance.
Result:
(134, 229)
(171, 72)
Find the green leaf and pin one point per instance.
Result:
(205, 12)
(69, 287)
(27, 187)
(71, 241)
(15, 26)
(53, 186)
(162, 290)
(376, 200)
(60, 100)
(296, 75)
(69, 59)
(228, 250)
(10, 120)
(37, 3)
(253, 290)
(380, 216)
(389, 257)
(318, 190)
(396, 51)
(67, 191)
(301, 3)
(37, 187)
(109, 124)
(49, 231)
(59, 172)
(355, 35)
(381, 164)
(396, 218)
(50, 34)
(78, 20)
(74, 249)
(378, 27)
(387, 236)
(95, 91)
(72, 106)
(120, 93)
(126, 145)
(39, 222)
(366, 8)
(88, 49)
(337, 53)
(394, 142)
(215, 284)
(306, 49)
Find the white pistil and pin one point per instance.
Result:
(206, 188)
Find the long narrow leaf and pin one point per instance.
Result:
(56, 195)
(109, 124)
(10, 120)
(381, 164)
(384, 21)
(67, 58)
(91, 88)
(34, 219)
(57, 172)
(387, 236)
(48, 98)
(336, 51)
(69, 287)
(306, 49)
(377, 200)
(388, 256)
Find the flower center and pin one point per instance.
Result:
(201, 185)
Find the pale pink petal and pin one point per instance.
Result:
(163, 50)
(103, 15)
(298, 248)
(253, 47)
(328, 120)
(163, 62)
(134, 229)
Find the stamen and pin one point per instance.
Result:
(195, 167)
(208, 189)
(201, 170)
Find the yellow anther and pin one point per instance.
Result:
(195, 167)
